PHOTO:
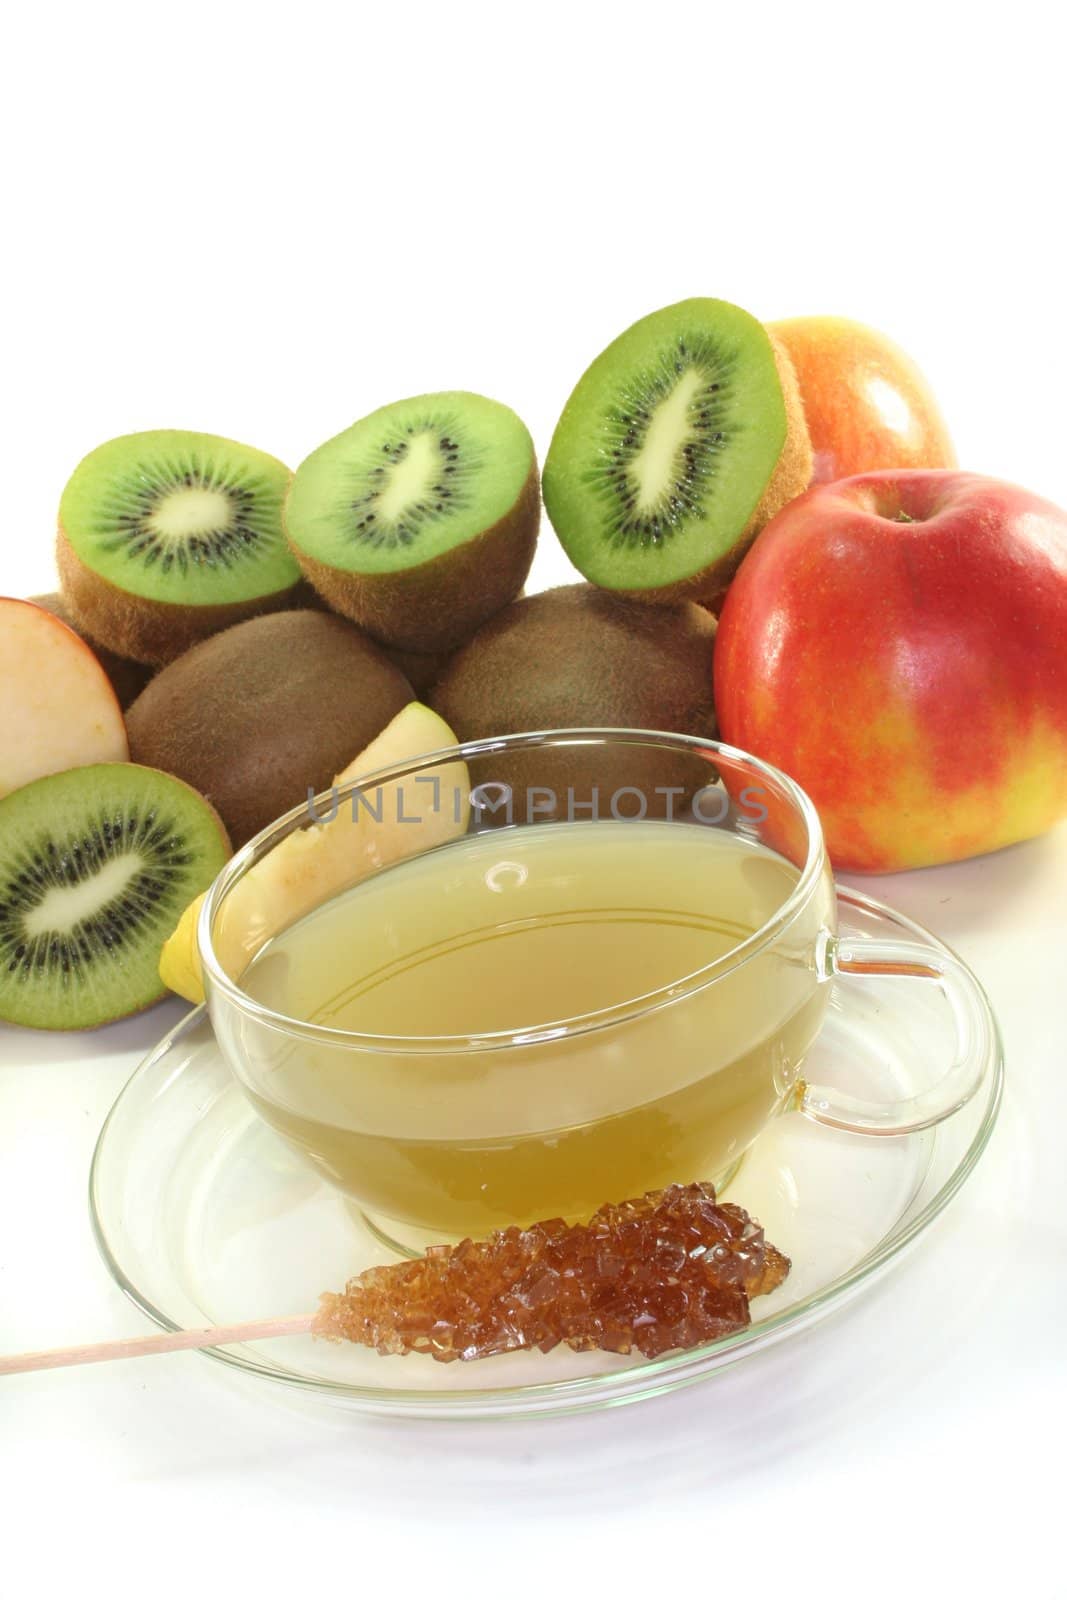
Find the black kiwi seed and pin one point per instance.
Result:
(104, 839)
(406, 528)
(222, 546)
(625, 431)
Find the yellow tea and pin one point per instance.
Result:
(520, 932)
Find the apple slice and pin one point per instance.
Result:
(57, 708)
(398, 819)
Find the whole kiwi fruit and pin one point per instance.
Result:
(576, 657)
(257, 715)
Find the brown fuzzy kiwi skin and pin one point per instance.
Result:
(791, 476)
(579, 656)
(437, 606)
(256, 715)
(153, 632)
(127, 678)
(421, 671)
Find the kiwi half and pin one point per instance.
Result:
(255, 716)
(96, 867)
(677, 446)
(167, 537)
(420, 521)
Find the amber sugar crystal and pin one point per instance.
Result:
(666, 1272)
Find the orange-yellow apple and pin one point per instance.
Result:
(897, 643)
(867, 405)
(57, 708)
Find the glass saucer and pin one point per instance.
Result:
(205, 1216)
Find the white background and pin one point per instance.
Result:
(265, 221)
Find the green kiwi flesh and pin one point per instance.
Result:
(96, 867)
(666, 449)
(167, 536)
(257, 715)
(419, 521)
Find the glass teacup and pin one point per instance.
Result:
(521, 977)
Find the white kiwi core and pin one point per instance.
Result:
(656, 466)
(186, 512)
(65, 905)
(411, 478)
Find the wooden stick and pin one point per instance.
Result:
(155, 1344)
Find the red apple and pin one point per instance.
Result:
(867, 405)
(57, 708)
(897, 643)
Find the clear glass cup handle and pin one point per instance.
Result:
(975, 1038)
